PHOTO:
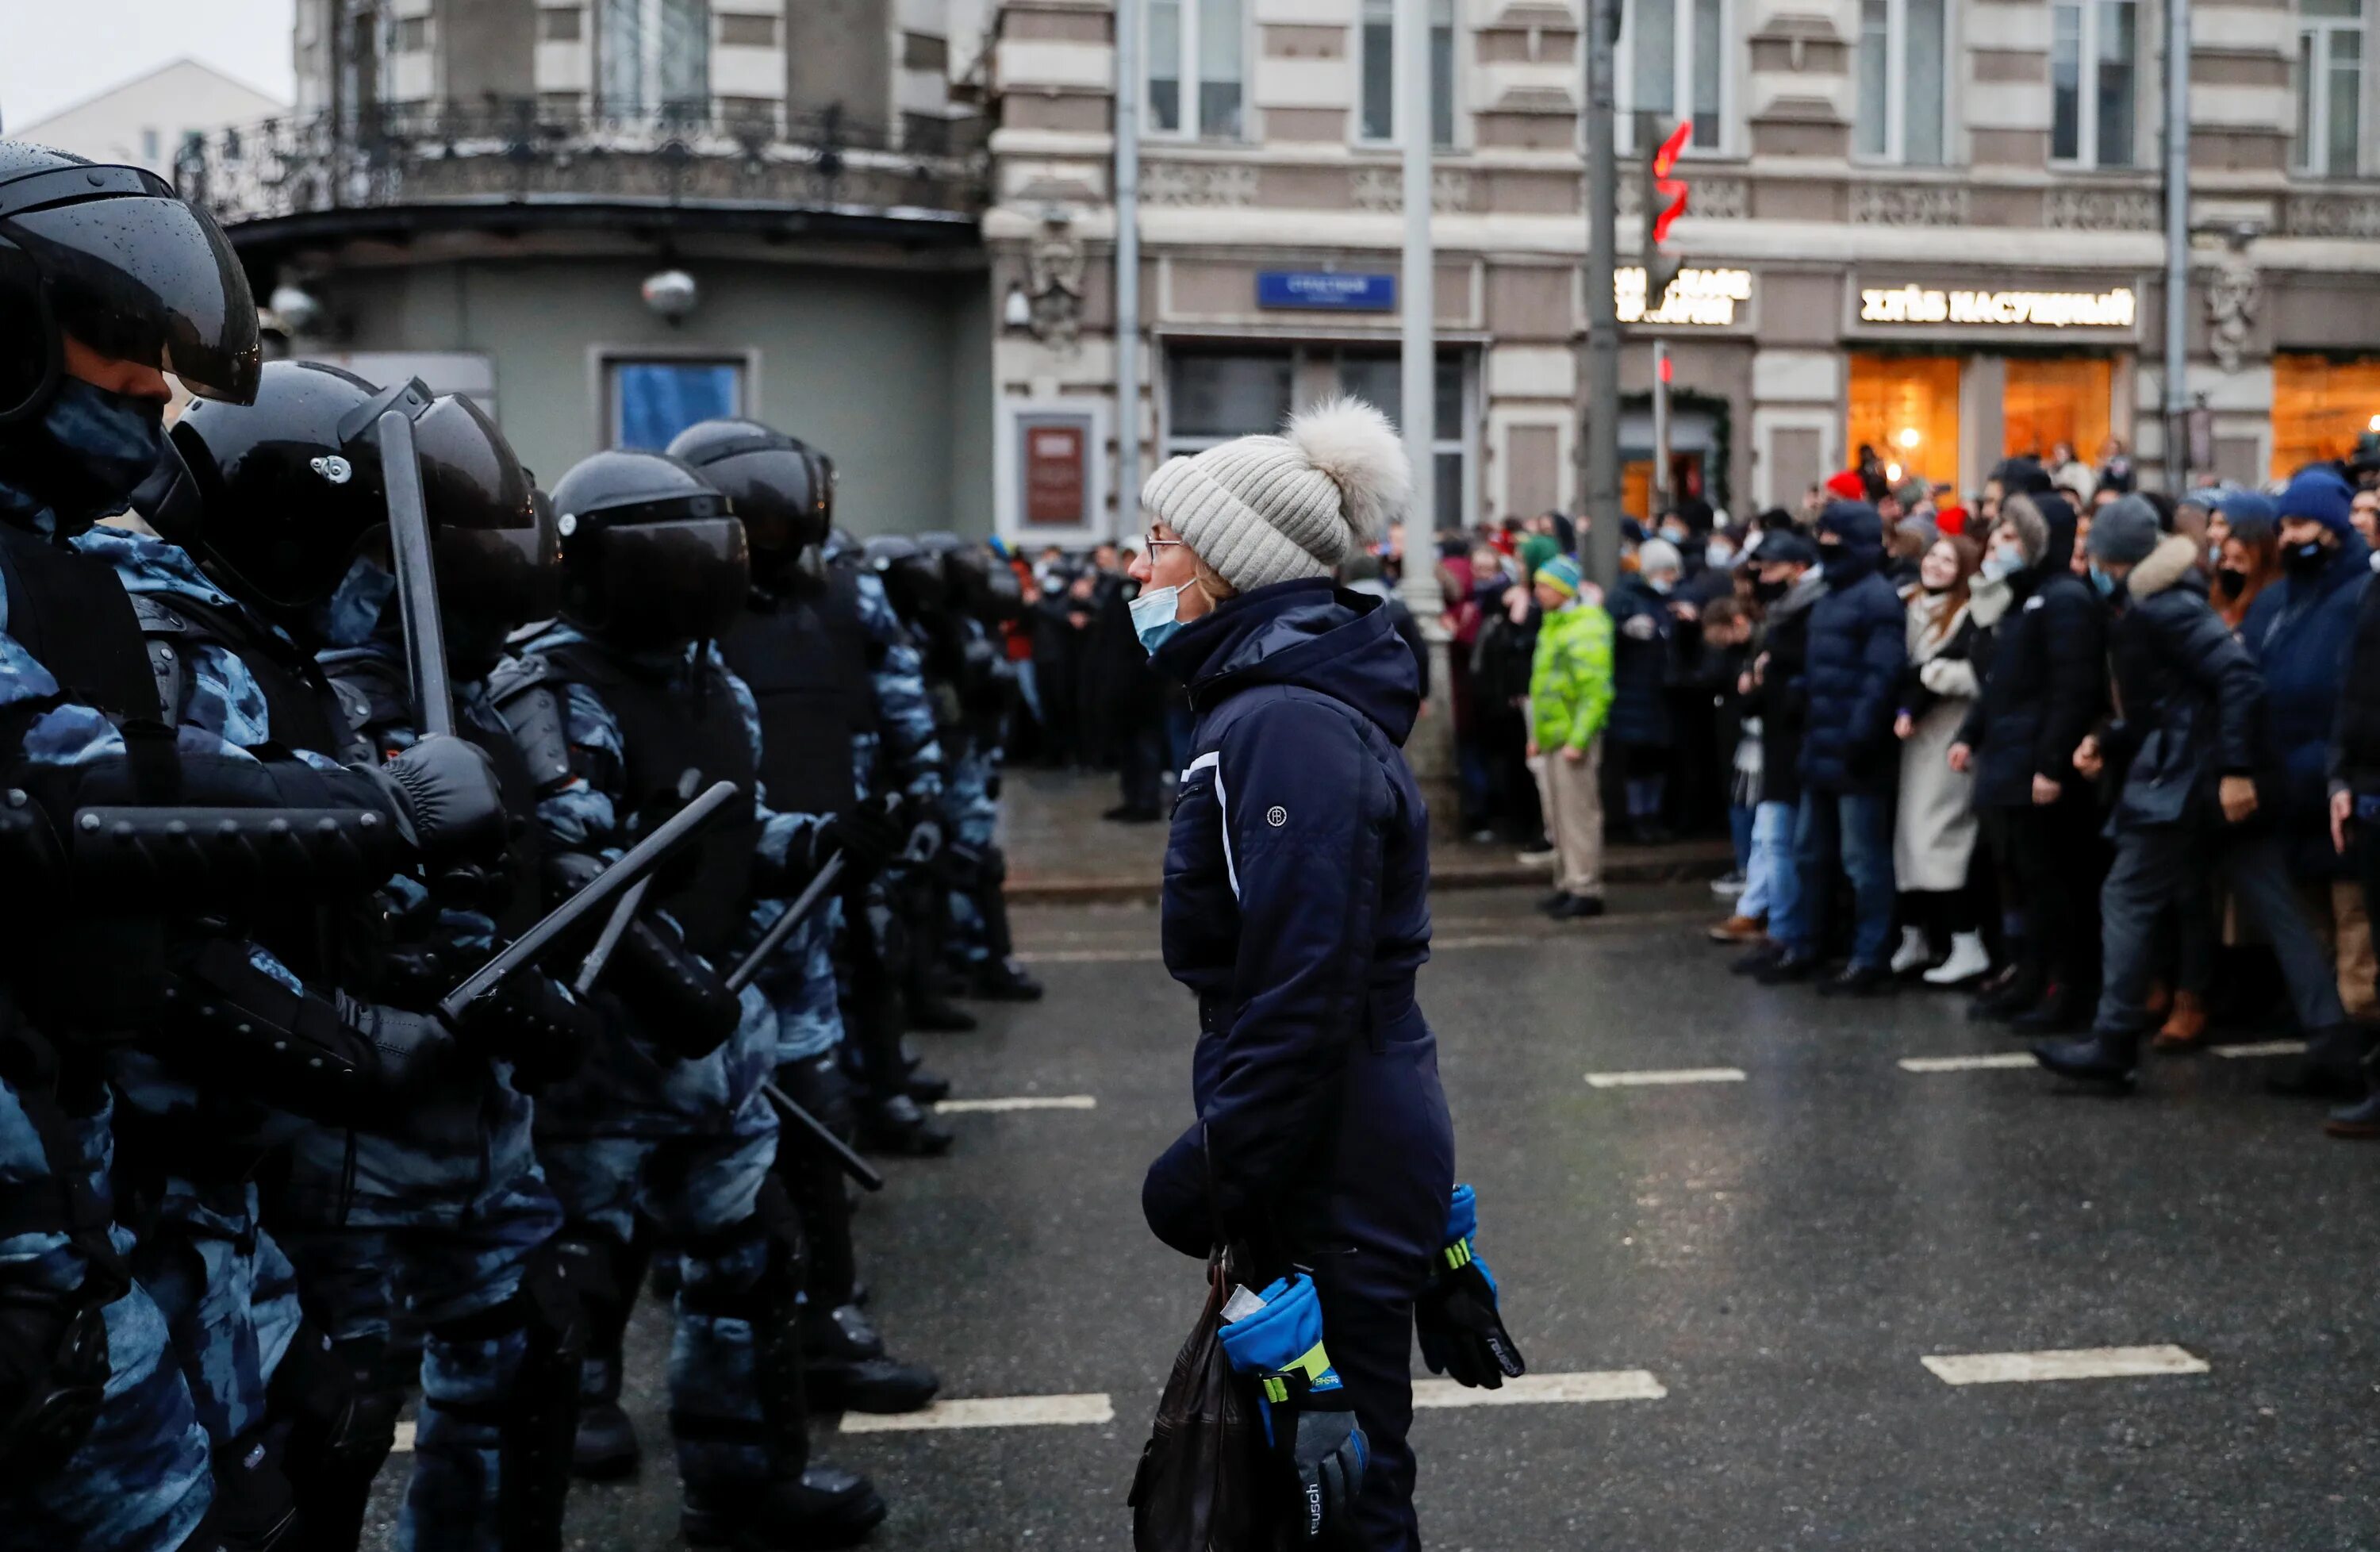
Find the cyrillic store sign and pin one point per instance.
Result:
(2036, 309)
(1696, 298)
(1327, 290)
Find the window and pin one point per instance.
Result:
(1208, 40)
(2047, 401)
(747, 32)
(2329, 80)
(1378, 118)
(1903, 81)
(2320, 407)
(560, 24)
(413, 35)
(149, 146)
(1672, 64)
(2094, 55)
(654, 56)
(652, 401)
(1215, 396)
(1906, 409)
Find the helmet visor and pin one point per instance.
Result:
(152, 281)
(471, 478)
(659, 584)
(499, 578)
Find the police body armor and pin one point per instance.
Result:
(674, 747)
(805, 656)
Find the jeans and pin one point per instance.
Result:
(1772, 886)
(1740, 817)
(1857, 827)
(2153, 867)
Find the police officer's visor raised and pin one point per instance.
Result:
(136, 275)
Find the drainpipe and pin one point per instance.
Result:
(1127, 269)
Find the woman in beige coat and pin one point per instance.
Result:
(1934, 832)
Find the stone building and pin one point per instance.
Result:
(1932, 227)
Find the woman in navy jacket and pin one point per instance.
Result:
(1296, 905)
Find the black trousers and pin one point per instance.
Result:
(1368, 1322)
(2056, 860)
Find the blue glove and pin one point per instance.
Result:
(1309, 1419)
(1462, 1334)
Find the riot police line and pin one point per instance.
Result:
(436, 906)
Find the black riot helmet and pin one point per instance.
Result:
(109, 257)
(911, 574)
(652, 555)
(288, 491)
(781, 487)
(983, 584)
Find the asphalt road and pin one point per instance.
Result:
(1762, 1259)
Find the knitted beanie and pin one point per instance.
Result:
(1266, 509)
(1561, 574)
(2125, 530)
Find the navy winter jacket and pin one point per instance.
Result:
(1859, 644)
(1644, 661)
(2044, 674)
(2299, 633)
(1296, 908)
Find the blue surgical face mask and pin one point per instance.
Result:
(2001, 564)
(1717, 556)
(98, 446)
(1662, 583)
(1152, 616)
(2101, 580)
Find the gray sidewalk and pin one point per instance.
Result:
(1059, 848)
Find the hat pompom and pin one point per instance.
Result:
(1354, 443)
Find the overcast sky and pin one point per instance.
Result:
(55, 53)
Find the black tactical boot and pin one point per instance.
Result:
(896, 1125)
(931, 1012)
(825, 1507)
(1003, 980)
(2332, 1067)
(845, 1367)
(2103, 1057)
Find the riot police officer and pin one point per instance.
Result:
(284, 504)
(121, 827)
(624, 708)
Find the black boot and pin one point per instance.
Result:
(2020, 993)
(1785, 968)
(825, 1507)
(1003, 980)
(896, 1125)
(925, 1087)
(846, 1368)
(2104, 1056)
(2058, 1015)
(2361, 1119)
(607, 1276)
(931, 1012)
(2332, 1067)
(1858, 980)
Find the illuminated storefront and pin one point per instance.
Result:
(1906, 408)
(2320, 407)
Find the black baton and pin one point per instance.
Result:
(672, 834)
(416, 576)
(783, 927)
(858, 1168)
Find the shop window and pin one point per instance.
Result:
(1906, 409)
(1903, 81)
(1672, 64)
(2094, 68)
(1213, 395)
(1378, 118)
(654, 56)
(2046, 403)
(1198, 52)
(2328, 78)
(652, 401)
(2320, 407)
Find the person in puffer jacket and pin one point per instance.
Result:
(1569, 698)
(1296, 908)
(1850, 758)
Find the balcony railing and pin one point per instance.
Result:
(528, 153)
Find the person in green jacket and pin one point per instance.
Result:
(1570, 699)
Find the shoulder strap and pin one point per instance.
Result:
(164, 633)
(528, 694)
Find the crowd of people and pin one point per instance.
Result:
(311, 701)
(2106, 759)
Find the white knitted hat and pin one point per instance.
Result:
(1266, 509)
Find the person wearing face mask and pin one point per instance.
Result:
(2246, 539)
(1934, 826)
(1777, 694)
(1296, 908)
(2044, 687)
(2300, 631)
(2352, 775)
(2199, 778)
(1644, 731)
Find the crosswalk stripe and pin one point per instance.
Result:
(2079, 1362)
(1608, 1385)
(1966, 1063)
(2262, 1048)
(1018, 1102)
(1090, 956)
(404, 1445)
(988, 1412)
(1674, 1075)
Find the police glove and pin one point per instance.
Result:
(54, 1371)
(412, 1051)
(1309, 1419)
(537, 1023)
(444, 790)
(868, 838)
(1463, 1335)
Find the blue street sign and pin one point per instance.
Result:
(1326, 290)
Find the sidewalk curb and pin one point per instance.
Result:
(1622, 866)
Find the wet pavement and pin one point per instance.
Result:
(1755, 1230)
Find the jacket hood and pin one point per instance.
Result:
(1306, 633)
(1862, 549)
(2174, 563)
(1805, 592)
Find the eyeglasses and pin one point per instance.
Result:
(1150, 542)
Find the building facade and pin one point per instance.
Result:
(607, 219)
(146, 121)
(1933, 227)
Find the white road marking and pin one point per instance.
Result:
(2079, 1362)
(988, 1412)
(1966, 1063)
(1609, 1385)
(1601, 927)
(404, 1445)
(1675, 1075)
(2262, 1048)
(1090, 956)
(1019, 1102)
